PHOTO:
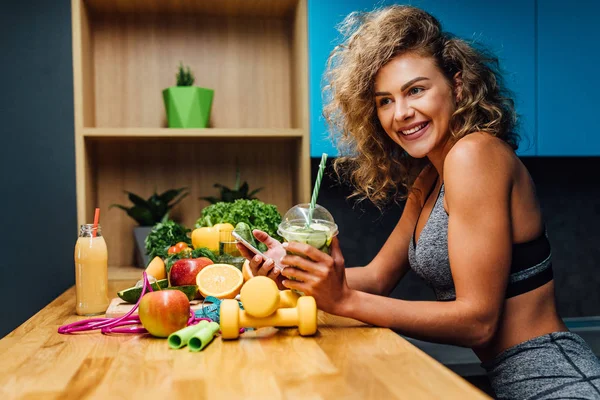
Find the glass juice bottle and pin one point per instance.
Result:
(91, 272)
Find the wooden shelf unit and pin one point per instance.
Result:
(253, 53)
(206, 133)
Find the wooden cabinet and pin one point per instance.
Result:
(253, 53)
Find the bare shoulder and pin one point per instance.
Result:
(479, 169)
(480, 156)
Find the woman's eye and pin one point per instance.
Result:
(415, 91)
(384, 101)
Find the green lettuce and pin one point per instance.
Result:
(255, 213)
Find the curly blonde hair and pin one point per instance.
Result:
(377, 167)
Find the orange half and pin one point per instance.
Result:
(223, 281)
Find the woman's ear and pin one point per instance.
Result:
(458, 86)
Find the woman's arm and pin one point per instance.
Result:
(478, 184)
(390, 265)
(382, 274)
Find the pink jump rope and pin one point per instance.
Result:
(112, 325)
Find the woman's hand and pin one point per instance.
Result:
(322, 276)
(265, 267)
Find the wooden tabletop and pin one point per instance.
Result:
(344, 360)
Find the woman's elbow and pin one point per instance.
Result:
(483, 336)
(484, 330)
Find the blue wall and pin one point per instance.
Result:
(569, 87)
(511, 29)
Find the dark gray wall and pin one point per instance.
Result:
(569, 193)
(38, 227)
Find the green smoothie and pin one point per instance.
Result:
(318, 231)
(316, 234)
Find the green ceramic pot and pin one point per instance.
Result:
(188, 106)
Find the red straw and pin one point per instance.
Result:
(96, 219)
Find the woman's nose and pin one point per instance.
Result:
(403, 111)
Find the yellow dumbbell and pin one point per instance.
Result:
(264, 305)
(287, 298)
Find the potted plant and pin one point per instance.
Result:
(239, 191)
(148, 213)
(187, 106)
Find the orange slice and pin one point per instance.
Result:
(156, 268)
(246, 271)
(222, 281)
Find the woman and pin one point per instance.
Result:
(419, 110)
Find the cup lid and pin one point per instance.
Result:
(297, 216)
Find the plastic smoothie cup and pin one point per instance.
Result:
(295, 227)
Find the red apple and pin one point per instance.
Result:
(163, 312)
(184, 271)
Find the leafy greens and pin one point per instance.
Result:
(164, 235)
(255, 213)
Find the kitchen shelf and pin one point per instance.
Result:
(239, 8)
(252, 53)
(207, 133)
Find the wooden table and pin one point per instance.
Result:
(345, 360)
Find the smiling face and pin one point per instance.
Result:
(414, 102)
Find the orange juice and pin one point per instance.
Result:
(91, 272)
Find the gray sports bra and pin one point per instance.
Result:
(531, 265)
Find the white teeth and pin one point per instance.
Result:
(413, 130)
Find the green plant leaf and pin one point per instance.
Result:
(136, 200)
(222, 187)
(139, 214)
(169, 195)
(164, 235)
(154, 200)
(183, 196)
(228, 197)
(243, 190)
(240, 191)
(184, 77)
(156, 207)
(204, 252)
(210, 199)
(255, 213)
(143, 216)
